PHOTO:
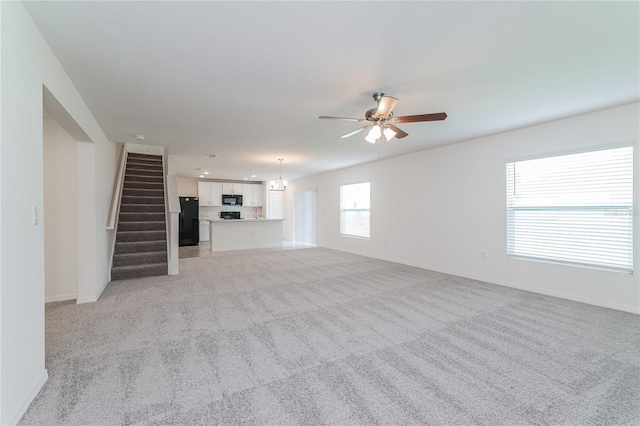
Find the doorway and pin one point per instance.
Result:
(305, 217)
(60, 213)
(69, 206)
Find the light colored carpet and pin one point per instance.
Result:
(320, 337)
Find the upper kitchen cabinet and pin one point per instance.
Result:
(204, 193)
(210, 193)
(251, 195)
(232, 188)
(216, 193)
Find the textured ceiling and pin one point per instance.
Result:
(248, 80)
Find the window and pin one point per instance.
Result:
(573, 209)
(355, 210)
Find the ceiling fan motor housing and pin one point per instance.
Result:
(370, 115)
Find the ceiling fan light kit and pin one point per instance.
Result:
(374, 134)
(382, 120)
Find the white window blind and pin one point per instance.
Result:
(355, 212)
(574, 209)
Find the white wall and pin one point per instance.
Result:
(27, 65)
(441, 208)
(60, 213)
(187, 187)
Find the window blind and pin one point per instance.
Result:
(573, 209)
(355, 212)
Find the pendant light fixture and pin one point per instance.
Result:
(279, 185)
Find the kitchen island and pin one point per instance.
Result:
(242, 234)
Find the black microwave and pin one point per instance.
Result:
(231, 200)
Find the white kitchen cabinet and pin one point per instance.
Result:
(210, 193)
(258, 195)
(216, 193)
(251, 195)
(247, 195)
(204, 193)
(204, 231)
(229, 188)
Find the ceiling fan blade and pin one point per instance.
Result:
(399, 133)
(420, 117)
(324, 117)
(353, 132)
(385, 106)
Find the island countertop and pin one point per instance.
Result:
(245, 233)
(251, 219)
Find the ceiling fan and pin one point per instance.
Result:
(382, 120)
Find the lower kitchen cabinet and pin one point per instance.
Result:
(204, 231)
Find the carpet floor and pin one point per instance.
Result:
(320, 337)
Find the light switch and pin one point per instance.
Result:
(35, 215)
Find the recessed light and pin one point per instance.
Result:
(205, 173)
(140, 137)
(201, 175)
(245, 178)
(253, 175)
(212, 155)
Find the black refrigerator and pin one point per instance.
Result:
(189, 222)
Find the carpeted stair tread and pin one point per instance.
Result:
(136, 192)
(142, 208)
(143, 185)
(140, 217)
(144, 161)
(142, 199)
(138, 271)
(144, 258)
(134, 174)
(144, 166)
(138, 267)
(123, 236)
(139, 178)
(149, 225)
(139, 246)
(143, 172)
(144, 156)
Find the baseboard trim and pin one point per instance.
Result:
(88, 299)
(568, 296)
(573, 297)
(102, 289)
(60, 298)
(29, 399)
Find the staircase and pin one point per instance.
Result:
(141, 238)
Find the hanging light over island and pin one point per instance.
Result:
(279, 185)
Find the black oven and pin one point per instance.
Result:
(230, 215)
